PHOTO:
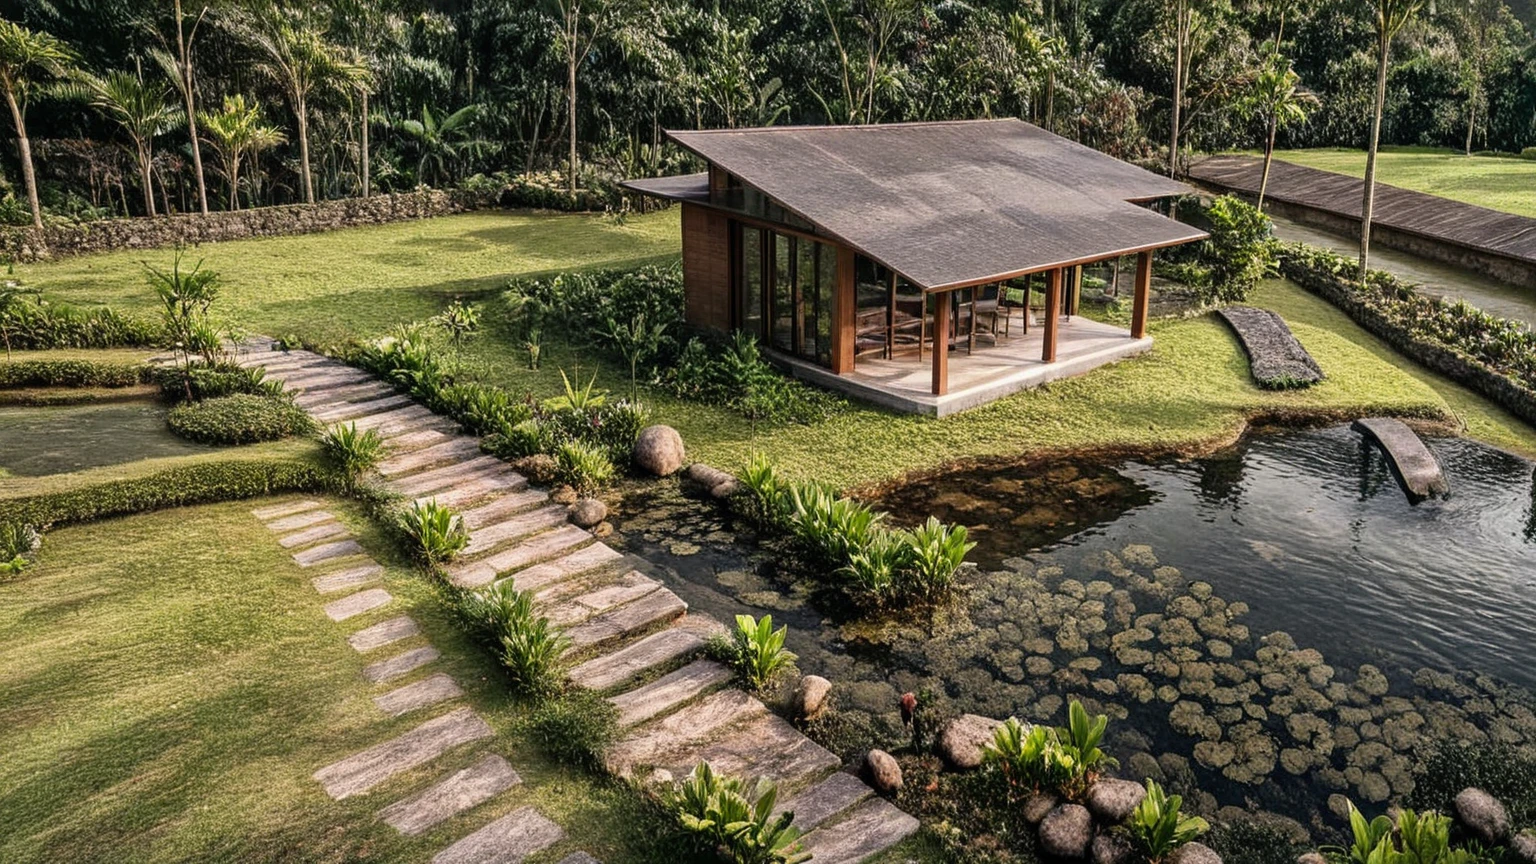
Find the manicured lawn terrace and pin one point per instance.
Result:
(1497, 182)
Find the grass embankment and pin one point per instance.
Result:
(1496, 182)
(1191, 391)
(168, 684)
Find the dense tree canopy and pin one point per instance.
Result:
(351, 95)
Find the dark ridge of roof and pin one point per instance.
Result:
(678, 187)
(1400, 209)
(952, 203)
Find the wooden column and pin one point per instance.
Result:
(844, 314)
(1052, 314)
(1143, 295)
(941, 344)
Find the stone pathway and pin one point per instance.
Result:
(631, 636)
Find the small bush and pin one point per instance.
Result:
(762, 500)
(200, 381)
(40, 326)
(1228, 265)
(757, 650)
(238, 419)
(726, 814)
(1065, 760)
(575, 729)
(70, 373)
(1528, 153)
(436, 533)
(1157, 826)
(18, 546)
(503, 619)
(936, 552)
(352, 453)
(584, 467)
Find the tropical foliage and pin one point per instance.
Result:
(436, 533)
(728, 815)
(1063, 760)
(526, 644)
(1159, 828)
(352, 452)
(757, 650)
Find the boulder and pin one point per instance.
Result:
(811, 696)
(882, 771)
(1523, 848)
(659, 450)
(706, 476)
(587, 512)
(1037, 805)
(1194, 853)
(722, 491)
(1312, 858)
(962, 740)
(1112, 801)
(1482, 815)
(1067, 831)
(1111, 849)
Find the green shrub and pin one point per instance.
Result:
(70, 373)
(199, 381)
(41, 326)
(460, 321)
(352, 453)
(757, 650)
(238, 419)
(575, 729)
(875, 569)
(1528, 153)
(762, 500)
(18, 546)
(1228, 265)
(936, 553)
(724, 814)
(734, 374)
(1157, 826)
(1413, 838)
(503, 619)
(829, 529)
(436, 533)
(1065, 760)
(584, 467)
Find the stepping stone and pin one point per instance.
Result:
(312, 535)
(579, 858)
(461, 791)
(356, 604)
(473, 490)
(766, 746)
(300, 520)
(669, 691)
(682, 732)
(826, 799)
(352, 577)
(629, 588)
(328, 552)
(362, 771)
(531, 551)
(488, 537)
(288, 509)
(668, 646)
(400, 664)
(320, 400)
(657, 607)
(420, 694)
(416, 485)
(873, 828)
(347, 410)
(408, 441)
(383, 633)
(453, 448)
(500, 508)
(320, 375)
(399, 419)
(583, 560)
(508, 840)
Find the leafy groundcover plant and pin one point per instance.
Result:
(238, 419)
(351, 452)
(436, 533)
(731, 820)
(757, 651)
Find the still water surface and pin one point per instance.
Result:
(56, 440)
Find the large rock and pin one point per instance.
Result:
(1523, 848)
(1111, 848)
(882, 771)
(659, 450)
(1067, 831)
(962, 740)
(1482, 815)
(811, 696)
(1194, 853)
(1312, 858)
(588, 512)
(1113, 801)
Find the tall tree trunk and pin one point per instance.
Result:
(570, 84)
(305, 179)
(145, 179)
(1269, 157)
(24, 145)
(1178, 86)
(1367, 203)
(186, 78)
(1471, 123)
(365, 144)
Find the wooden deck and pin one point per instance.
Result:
(904, 383)
(1490, 232)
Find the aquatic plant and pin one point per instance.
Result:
(763, 501)
(875, 569)
(1416, 838)
(727, 814)
(757, 650)
(1029, 757)
(1157, 826)
(829, 529)
(936, 553)
(1081, 738)
(352, 452)
(437, 533)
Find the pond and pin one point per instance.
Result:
(1270, 624)
(57, 440)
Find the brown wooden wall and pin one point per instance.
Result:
(706, 267)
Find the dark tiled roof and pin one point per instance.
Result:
(954, 203)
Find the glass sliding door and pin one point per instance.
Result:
(809, 299)
(783, 335)
(749, 296)
(784, 292)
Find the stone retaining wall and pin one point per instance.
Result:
(1462, 368)
(28, 244)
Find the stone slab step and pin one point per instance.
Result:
(347, 410)
(487, 537)
(475, 490)
(300, 520)
(416, 485)
(541, 547)
(452, 449)
(383, 633)
(682, 732)
(871, 829)
(353, 605)
(405, 420)
(288, 509)
(327, 552)
(766, 746)
(312, 535)
(658, 649)
(508, 840)
(417, 695)
(362, 771)
(831, 797)
(585, 560)
(400, 664)
(657, 607)
(670, 691)
(279, 361)
(504, 506)
(461, 791)
(322, 399)
(411, 440)
(352, 577)
(318, 374)
(627, 589)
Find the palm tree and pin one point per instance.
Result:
(238, 132)
(178, 68)
(142, 109)
(27, 59)
(301, 61)
(1278, 98)
(583, 23)
(1390, 17)
(442, 143)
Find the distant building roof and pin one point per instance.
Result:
(945, 204)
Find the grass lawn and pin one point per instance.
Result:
(168, 684)
(1498, 182)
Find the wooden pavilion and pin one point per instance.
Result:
(853, 251)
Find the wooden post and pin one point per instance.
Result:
(1052, 314)
(941, 345)
(844, 313)
(1143, 295)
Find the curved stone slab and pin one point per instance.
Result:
(1416, 468)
